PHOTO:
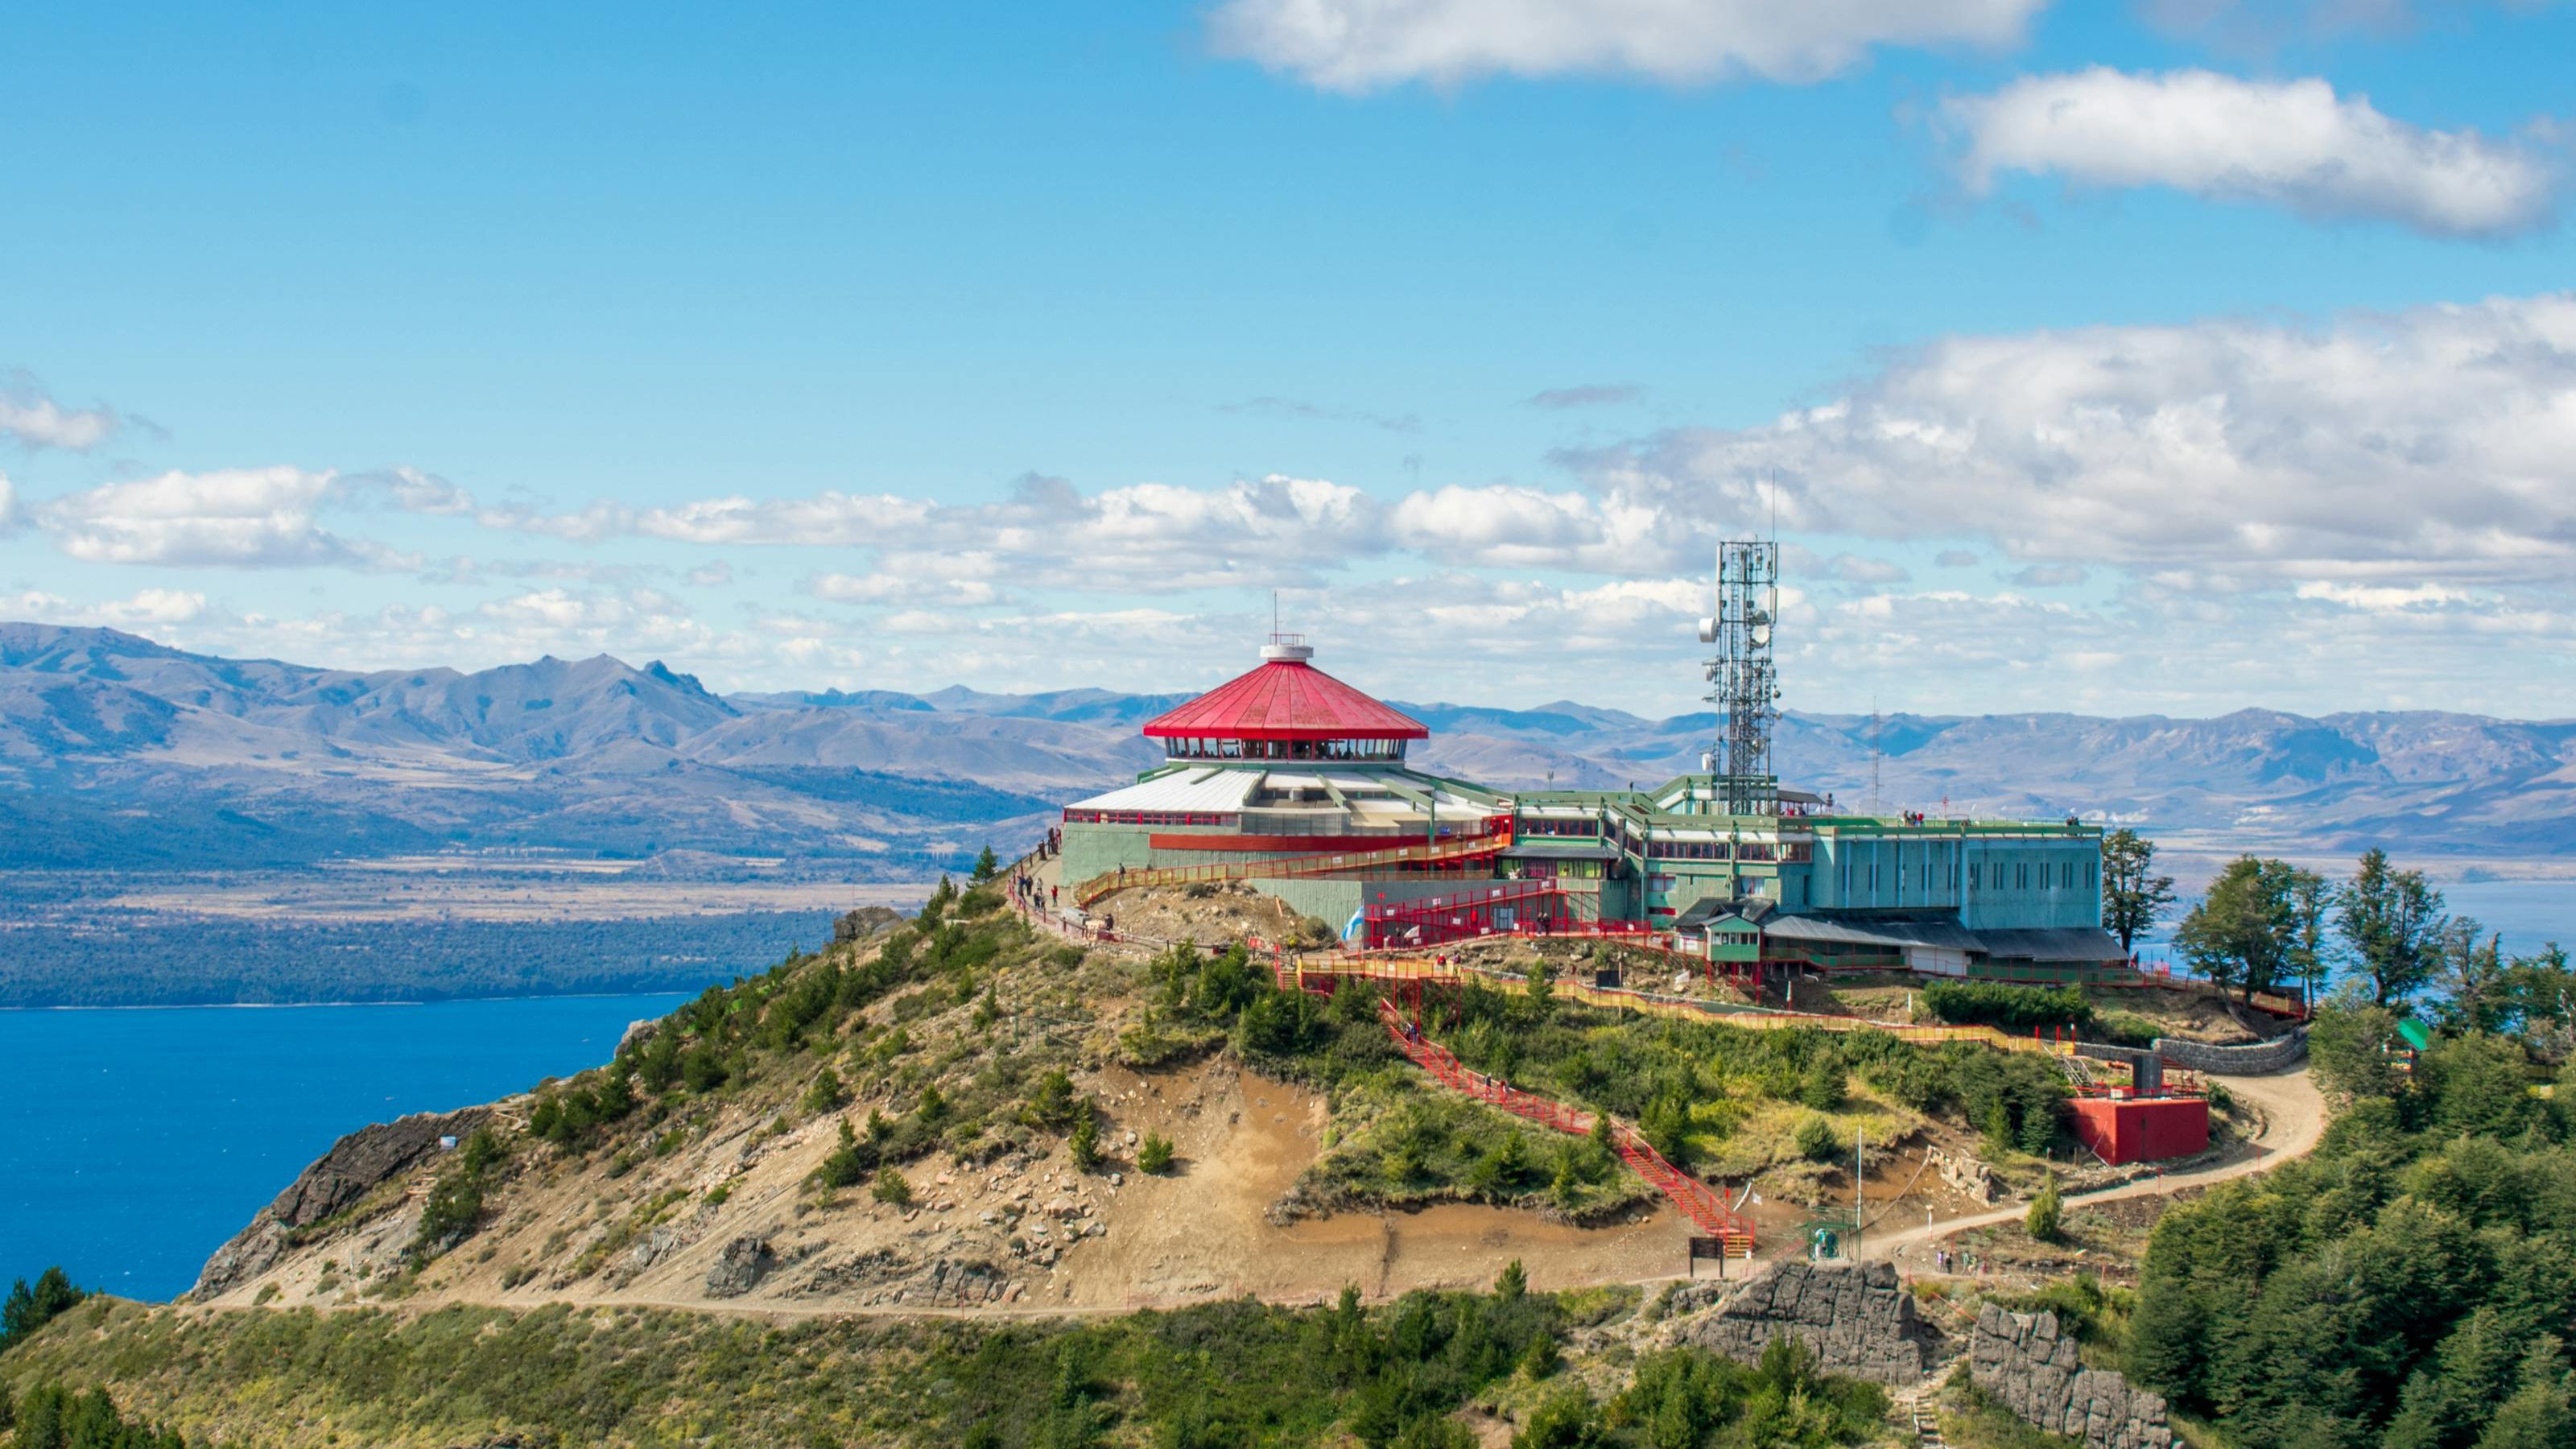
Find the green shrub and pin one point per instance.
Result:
(1154, 1155)
(826, 1094)
(2043, 1219)
(2008, 1007)
(892, 1187)
(850, 1163)
(1817, 1142)
(1084, 1145)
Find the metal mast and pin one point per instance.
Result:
(1744, 685)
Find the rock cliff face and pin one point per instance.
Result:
(1858, 1318)
(2027, 1363)
(339, 1179)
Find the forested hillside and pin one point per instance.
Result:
(2412, 1284)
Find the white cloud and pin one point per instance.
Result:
(2293, 144)
(10, 517)
(1143, 536)
(2432, 444)
(144, 609)
(967, 589)
(241, 517)
(37, 421)
(2381, 598)
(1363, 45)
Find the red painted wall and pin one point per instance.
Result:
(2146, 1129)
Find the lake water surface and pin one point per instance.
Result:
(134, 1142)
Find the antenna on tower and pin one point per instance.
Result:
(1745, 686)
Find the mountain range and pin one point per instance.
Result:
(116, 751)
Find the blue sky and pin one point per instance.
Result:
(2176, 358)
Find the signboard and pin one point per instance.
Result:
(1708, 1248)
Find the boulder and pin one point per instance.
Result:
(740, 1267)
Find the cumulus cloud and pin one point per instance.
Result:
(237, 517)
(1144, 536)
(1364, 45)
(2294, 144)
(1589, 395)
(10, 518)
(33, 420)
(2382, 598)
(2436, 443)
(144, 609)
(908, 583)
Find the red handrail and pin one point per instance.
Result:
(1700, 1203)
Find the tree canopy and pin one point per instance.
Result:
(2134, 896)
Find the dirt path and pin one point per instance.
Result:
(2293, 1119)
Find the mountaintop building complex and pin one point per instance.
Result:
(1294, 782)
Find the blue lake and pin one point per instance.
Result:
(134, 1142)
(2527, 914)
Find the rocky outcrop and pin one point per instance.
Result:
(1963, 1172)
(336, 1181)
(2033, 1369)
(864, 922)
(740, 1267)
(1857, 1317)
(881, 1277)
(253, 1251)
(357, 1163)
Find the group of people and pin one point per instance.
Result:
(1032, 894)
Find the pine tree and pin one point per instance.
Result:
(1154, 1155)
(1085, 1145)
(987, 865)
(2043, 1220)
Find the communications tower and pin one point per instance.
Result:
(1744, 685)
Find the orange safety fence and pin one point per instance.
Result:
(1379, 967)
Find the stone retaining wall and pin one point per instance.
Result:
(2278, 1054)
(1858, 1318)
(2032, 1368)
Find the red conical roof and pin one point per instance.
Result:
(1286, 698)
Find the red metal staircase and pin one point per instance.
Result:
(1702, 1204)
